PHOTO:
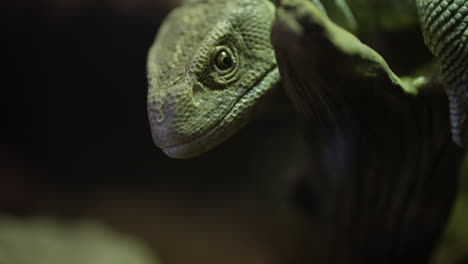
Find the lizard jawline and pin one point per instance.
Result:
(216, 134)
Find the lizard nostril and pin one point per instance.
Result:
(156, 109)
(156, 115)
(159, 116)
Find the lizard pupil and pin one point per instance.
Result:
(223, 60)
(227, 60)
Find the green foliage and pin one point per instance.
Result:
(455, 243)
(47, 241)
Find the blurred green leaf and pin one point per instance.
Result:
(47, 241)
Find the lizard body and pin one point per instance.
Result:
(445, 30)
(212, 64)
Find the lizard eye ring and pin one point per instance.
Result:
(225, 64)
(224, 59)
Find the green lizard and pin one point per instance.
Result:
(212, 66)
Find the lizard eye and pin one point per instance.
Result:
(223, 60)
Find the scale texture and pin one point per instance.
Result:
(445, 30)
(196, 100)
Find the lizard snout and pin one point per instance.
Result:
(168, 111)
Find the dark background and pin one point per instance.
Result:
(74, 102)
(75, 142)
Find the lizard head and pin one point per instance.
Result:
(210, 65)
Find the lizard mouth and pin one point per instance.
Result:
(227, 125)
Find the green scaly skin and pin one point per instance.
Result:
(194, 104)
(445, 30)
